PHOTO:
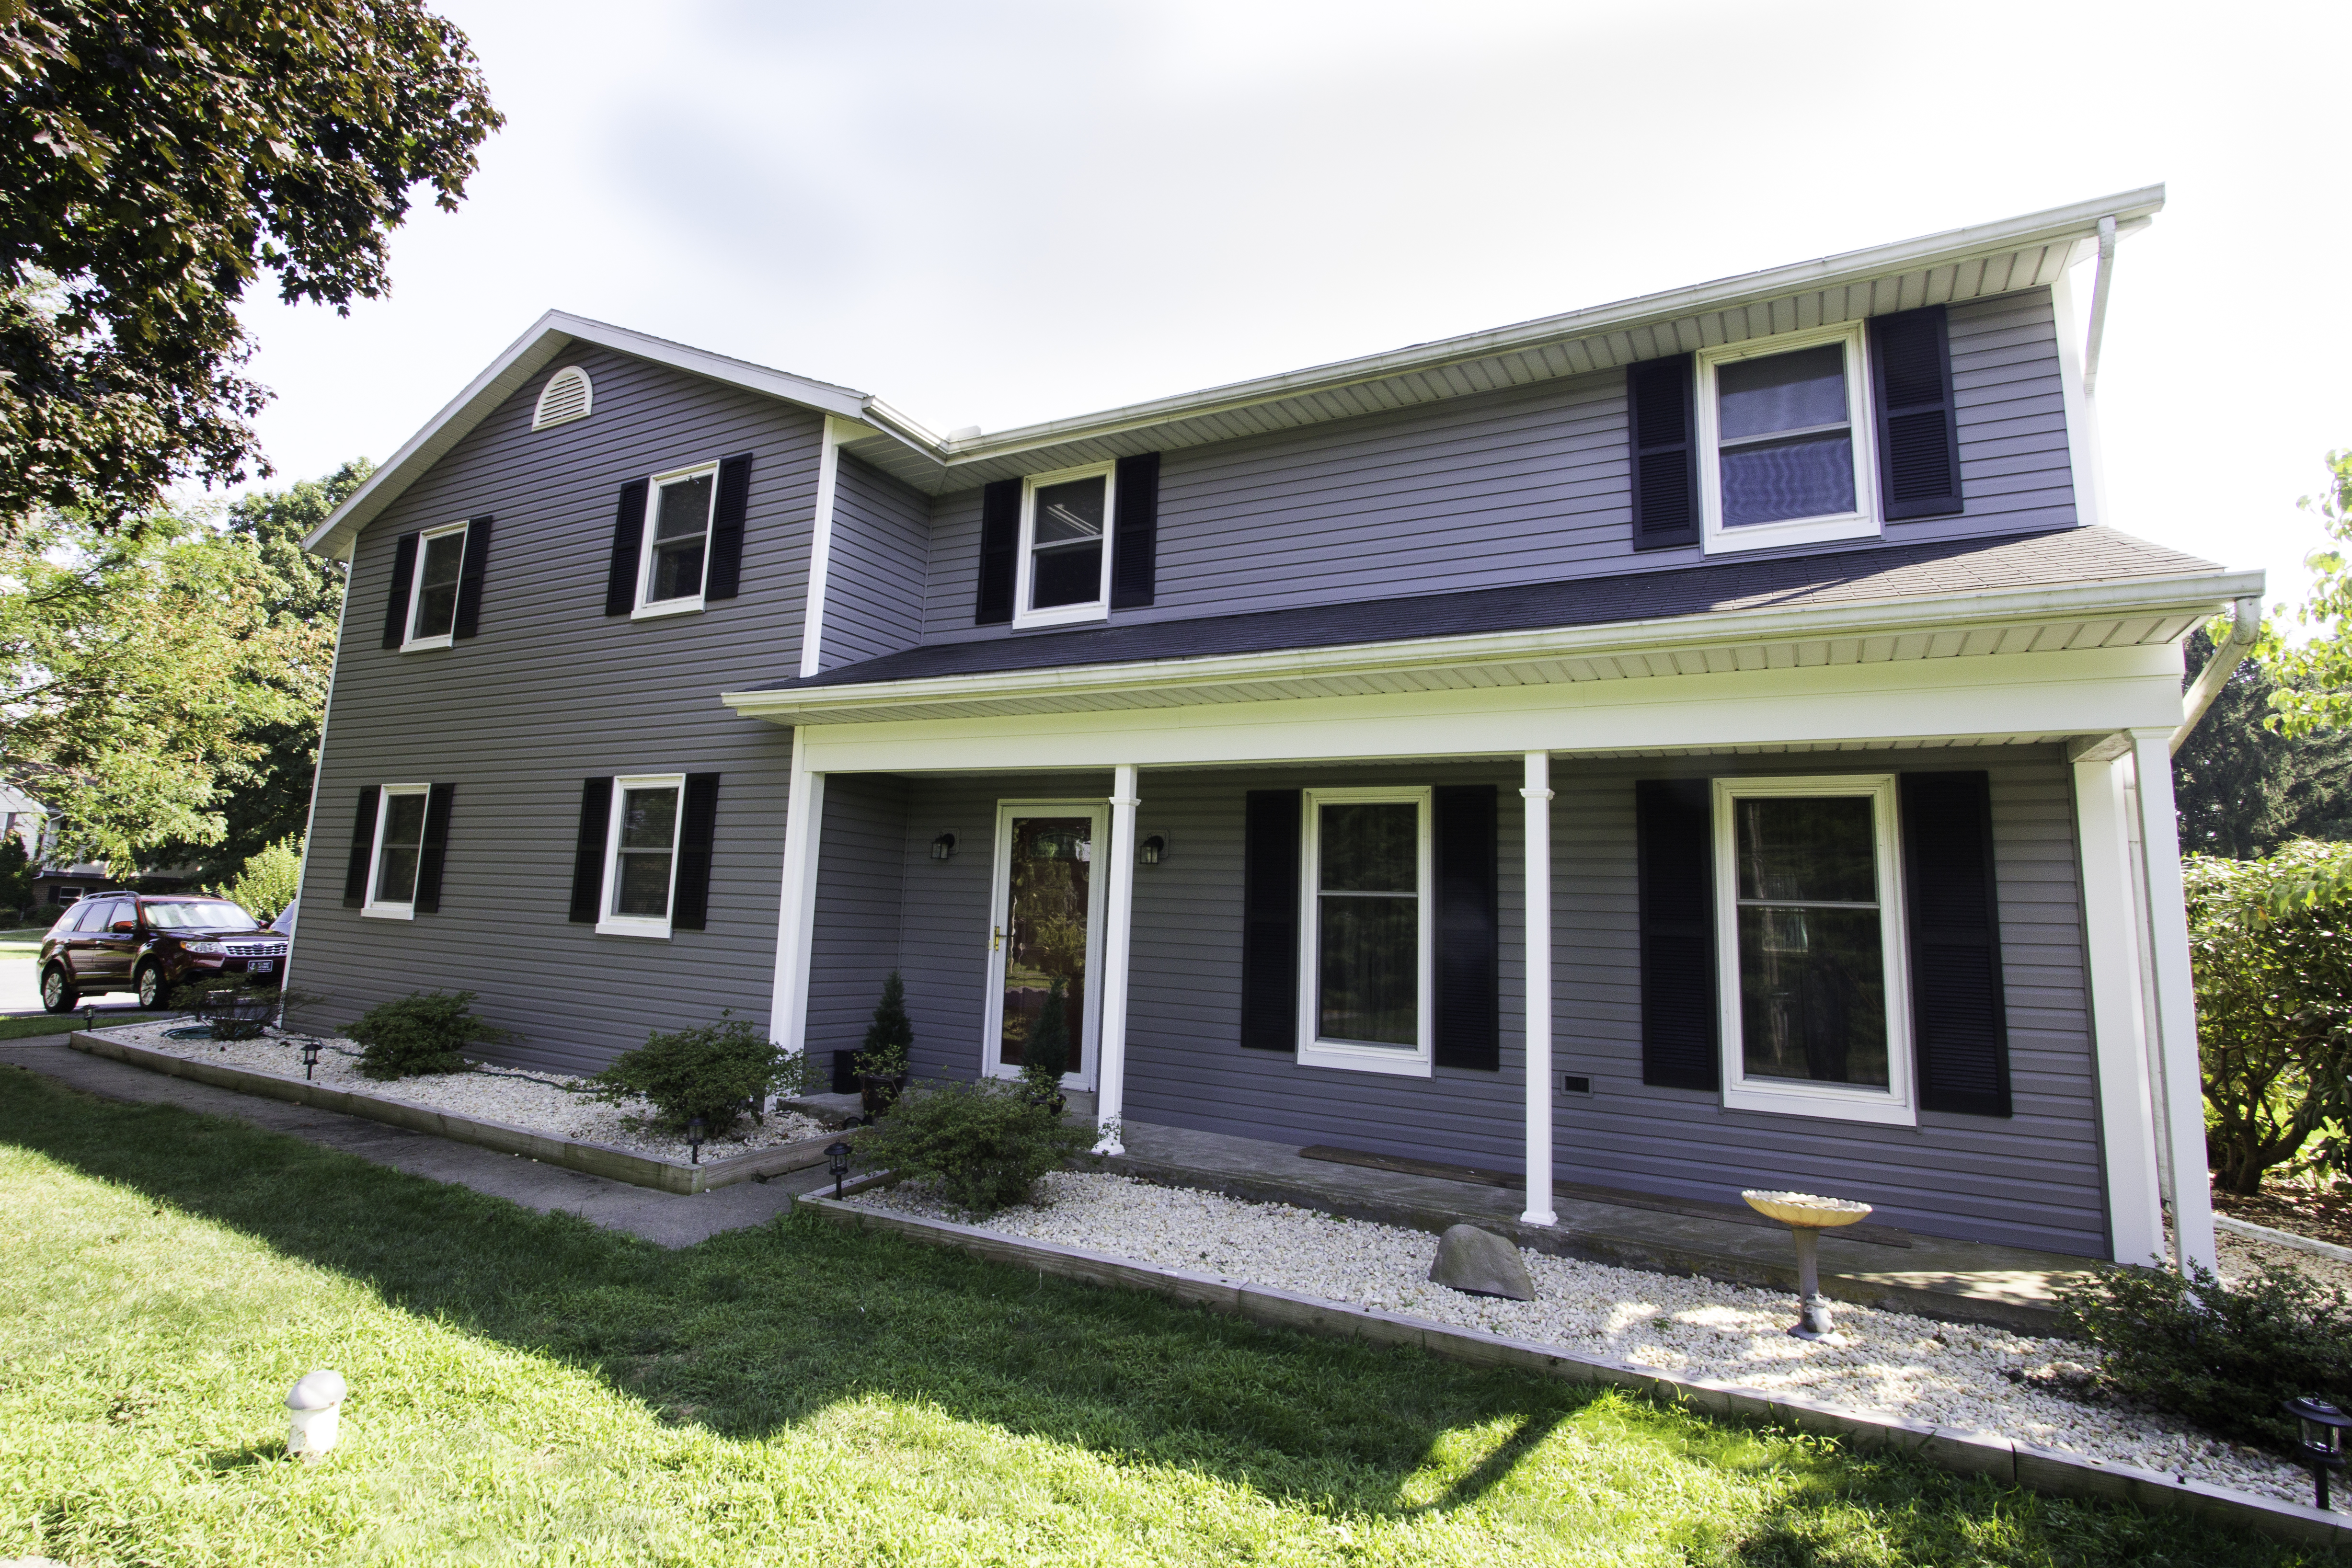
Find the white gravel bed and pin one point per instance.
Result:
(541, 1102)
(2237, 1256)
(1877, 1362)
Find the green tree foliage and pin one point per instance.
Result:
(268, 881)
(16, 873)
(2242, 787)
(2313, 688)
(891, 1036)
(2272, 961)
(155, 158)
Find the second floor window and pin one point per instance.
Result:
(441, 557)
(1064, 563)
(1785, 441)
(678, 541)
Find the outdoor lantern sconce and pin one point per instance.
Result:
(1153, 850)
(836, 1155)
(315, 1407)
(943, 847)
(2322, 1428)
(310, 1057)
(694, 1131)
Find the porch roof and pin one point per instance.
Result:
(2078, 588)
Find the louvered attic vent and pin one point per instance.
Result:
(565, 397)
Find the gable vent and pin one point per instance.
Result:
(566, 396)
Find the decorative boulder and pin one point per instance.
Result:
(1481, 1264)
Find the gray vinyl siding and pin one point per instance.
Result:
(1527, 484)
(873, 585)
(853, 942)
(552, 692)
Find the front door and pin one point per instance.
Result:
(1043, 925)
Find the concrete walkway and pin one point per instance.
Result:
(667, 1218)
(1964, 1281)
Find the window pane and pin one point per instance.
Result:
(642, 883)
(1807, 850)
(1813, 995)
(1052, 870)
(1371, 847)
(396, 881)
(1370, 978)
(404, 820)
(685, 508)
(648, 818)
(1070, 575)
(436, 585)
(681, 530)
(1781, 391)
(1809, 477)
(1069, 513)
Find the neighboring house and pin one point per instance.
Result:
(1702, 742)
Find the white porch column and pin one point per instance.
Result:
(2126, 1106)
(1538, 835)
(1118, 912)
(2173, 1026)
(797, 909)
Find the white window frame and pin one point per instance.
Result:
(689, 604)
(1358, 1056)
(377, 908)
(1097, 609)
(608, 923)
(410, 642)
(1863, 522)
(1894, 1105)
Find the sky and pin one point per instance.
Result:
(994, 214)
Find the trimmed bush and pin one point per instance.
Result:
(2219, 1355)
(891, 1036)
(422, 1032)
(714, 1071)
(982, 1146)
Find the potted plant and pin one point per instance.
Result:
(882, 1058)
(1045, 1056)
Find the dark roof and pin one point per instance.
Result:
(1933, 570)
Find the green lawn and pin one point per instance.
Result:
(61, 1023)
(528, 1389)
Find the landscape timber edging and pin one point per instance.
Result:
(594, 1159)
(1962, 1453)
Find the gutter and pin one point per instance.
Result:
(2245, 630)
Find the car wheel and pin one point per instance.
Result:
(155, 991)
(57, 993)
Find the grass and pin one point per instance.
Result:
(61, 1023)
(528, 1389)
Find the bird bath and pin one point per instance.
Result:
(1807, 1216)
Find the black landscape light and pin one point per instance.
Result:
(836, 1155)
(694, 1130)
(2322, 1445)
(310, 1057)
(89, 1015)
(943, 846)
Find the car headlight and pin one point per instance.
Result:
(204, 947)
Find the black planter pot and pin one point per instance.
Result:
(1054, 1102)
(878, 1094)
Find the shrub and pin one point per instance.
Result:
(890, 1038)
(983, 1145)
(1045, 1055)
(713, 1072)
(268, 880)
(422, 1032)
(2218, 1355)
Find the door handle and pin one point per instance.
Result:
(995, 937)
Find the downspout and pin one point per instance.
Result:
(2246, 629)
(2099, 281)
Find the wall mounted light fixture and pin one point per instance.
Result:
(943, 847)
(1153, 850)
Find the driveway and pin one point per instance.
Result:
(20, 990)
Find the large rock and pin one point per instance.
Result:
(1481, 1264)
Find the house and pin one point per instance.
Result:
(1707, 741)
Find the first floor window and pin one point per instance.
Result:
(642, 856)
(433, 608)
(1784, 443)
(399, 847)
(678, 542)
(1366, 930)
(1065, 572)
(1810, 946)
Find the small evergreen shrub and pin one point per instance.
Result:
(422, 1032)
(982, 1146)
(1045, 1055)
(714, 1071)
(2220, 1355)
(890, 1038)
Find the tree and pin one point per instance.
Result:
(155, 158)
(2242, 787)
(890, 1038)
(2314, 681)
(270, 878)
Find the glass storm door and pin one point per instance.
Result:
(1043, 921)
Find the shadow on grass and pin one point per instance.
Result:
(753, 1330)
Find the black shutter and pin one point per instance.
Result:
(1270, 920)
(355, 870)
(1661, 427)
(1680, 1031)
(726, 570)
(628, 533)
(1919, 439)
(1959, 1015)
(403, 580)
(436, 849)
(697, 816)
(1135, 532)
(470, 578)
(1469, 949)
(588, 854)
(999, 544)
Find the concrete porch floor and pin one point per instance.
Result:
(1961, 1282)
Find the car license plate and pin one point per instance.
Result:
(260, 966)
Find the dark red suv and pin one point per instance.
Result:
(152, 945)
